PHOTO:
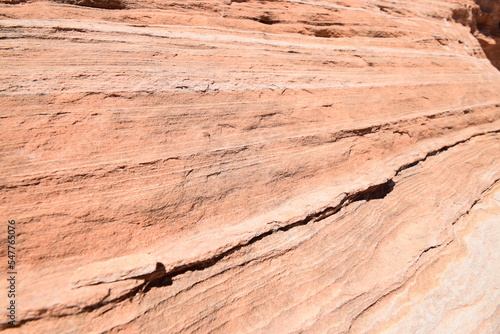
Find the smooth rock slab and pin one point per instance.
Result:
(113, 270)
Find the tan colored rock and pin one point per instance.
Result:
(287, 166)
(457, 293)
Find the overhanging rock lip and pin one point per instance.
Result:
(116, 269)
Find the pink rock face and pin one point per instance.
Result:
(251, 166)
(114, 270)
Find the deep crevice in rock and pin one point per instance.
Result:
(375, 192)
(265, 19)
(104, 4)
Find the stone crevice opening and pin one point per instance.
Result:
(104, 4)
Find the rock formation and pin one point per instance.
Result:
(249, 166)
(483, 17)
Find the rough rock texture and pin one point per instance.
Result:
(483, 17)
(114, 270)
(282, 166)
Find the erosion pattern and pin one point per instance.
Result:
(251, 166)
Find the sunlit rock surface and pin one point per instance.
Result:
(280, 166)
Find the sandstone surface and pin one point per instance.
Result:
(218, 166)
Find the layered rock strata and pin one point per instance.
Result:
(251, 166)
(483, 18)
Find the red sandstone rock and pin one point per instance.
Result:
(114, 270)
(287, 166)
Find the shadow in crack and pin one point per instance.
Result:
(158, 278)
(105, 4)
(375, 192)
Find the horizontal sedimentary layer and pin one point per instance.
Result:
(165, 141)
(367, 250)
(296, 150)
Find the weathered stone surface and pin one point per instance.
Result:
(456, 293)
(114, 270)
(483, 17)
(288, 166)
